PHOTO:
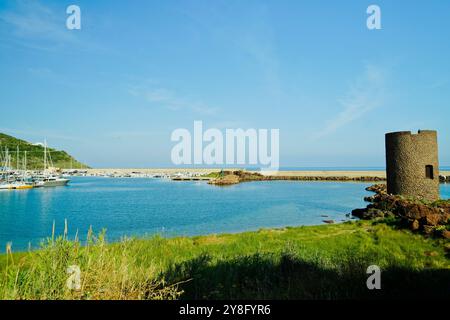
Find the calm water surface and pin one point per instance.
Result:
(140, 207)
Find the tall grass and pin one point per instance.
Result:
(106, 272)
(320, 262)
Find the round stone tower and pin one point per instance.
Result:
(412, 167)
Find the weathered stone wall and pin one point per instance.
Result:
(407, 156)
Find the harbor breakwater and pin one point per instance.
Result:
(233, 177)
(181, 174)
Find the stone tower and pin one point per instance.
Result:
(412, 167)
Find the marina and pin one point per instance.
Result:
(19, 178)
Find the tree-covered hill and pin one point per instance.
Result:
(34, 154)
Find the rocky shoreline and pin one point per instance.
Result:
(238, 176)
(322, 178)
(230, 177)
(431, 218)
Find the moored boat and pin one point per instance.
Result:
(21, 186)
(15, 186)
(54, 181)
(49, 178)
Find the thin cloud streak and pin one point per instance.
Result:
(172, 101)
(134, 134)
(363, 96)
(258, 40)
(31, 21)
(253, 37)
(33, 25)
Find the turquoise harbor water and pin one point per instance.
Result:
(140, 207)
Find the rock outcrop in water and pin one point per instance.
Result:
(233, 177)
(226, 180)
(415, 214)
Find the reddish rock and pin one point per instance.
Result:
(433, 219)
(414, 225)
(428, 229)
(446, 218)
(416, 211)
(413, 214)
(377, 188)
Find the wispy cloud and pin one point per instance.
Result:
(250, 33)
(35, 25)
(38, 26)
(230, 124)
(172, 101)
(364, 95)
(41, 72)
(439, 84)
(258, 41)
(134, 134)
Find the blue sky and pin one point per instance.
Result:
(112, 92)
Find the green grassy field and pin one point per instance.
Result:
(319, 262)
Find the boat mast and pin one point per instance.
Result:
(3, 163)
(45, 155)
(8, 165)
(24, 165)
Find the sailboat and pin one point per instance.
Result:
(16, 183)
(49, 177)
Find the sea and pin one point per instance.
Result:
(143, 207)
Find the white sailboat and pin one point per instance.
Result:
(50, 178)
(4, 183)
(8, 182)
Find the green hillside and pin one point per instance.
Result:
(35, 154)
